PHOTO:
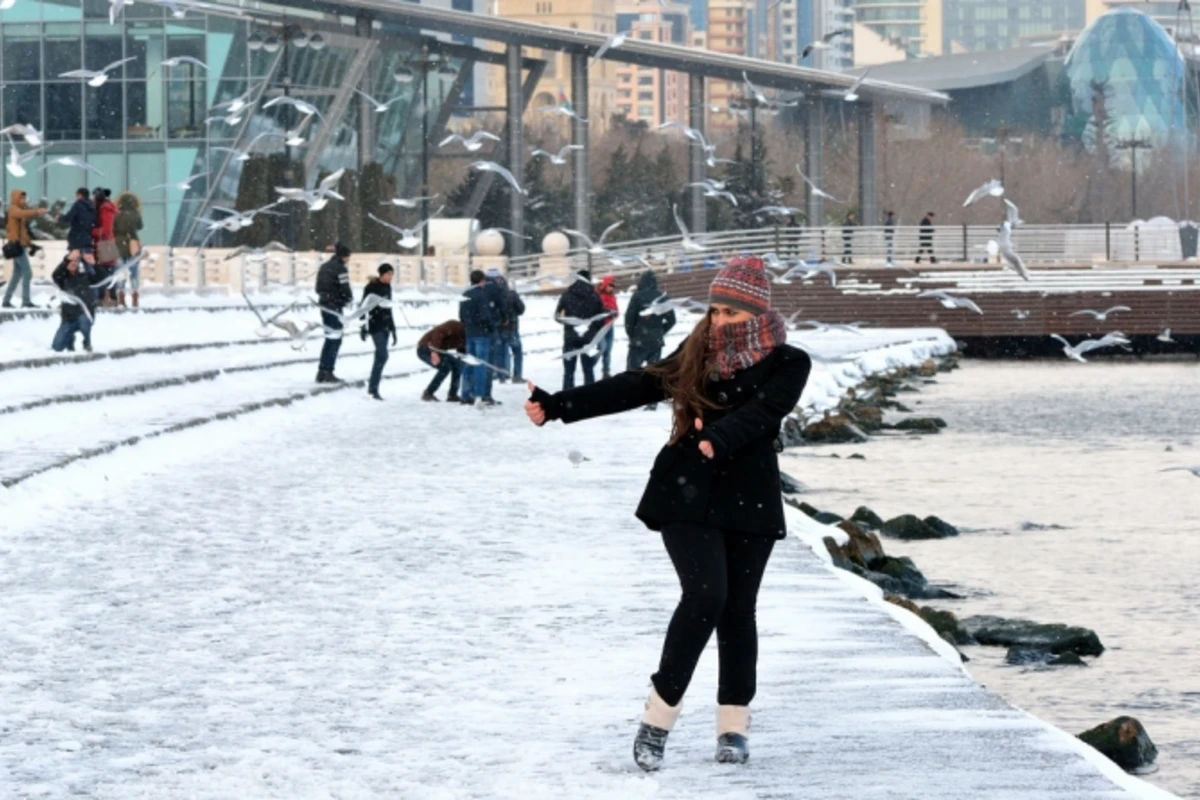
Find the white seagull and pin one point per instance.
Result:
(183, 185)
(592, 348)
(244, 153)
(665, 305)
(307, 109)
(33, 137)
(492, 166)
(297, 333)
(691, 243)
(258, 254)
(816, 189)
(824, 43)
(16, 160)
(1004, 243)
(96, 78)
(379, 107)
(992, 188)
(176, 61)
(409, 237)
(616, 40)
(121, 273)
(557, 159)
(407, 202)
(576, 458)
(1165, 336)
(1101, 316)
(317, 198)
(1195, 470)
(562, 111)
(1076, 352)
(472, 143)
(71, 161)
(239, 103)
(1010, 210)
(851, 94)
(1019, 314)
(950, 301)
(596, 247)
(690, 133)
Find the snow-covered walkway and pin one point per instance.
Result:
(345, 599)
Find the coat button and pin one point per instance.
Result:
(722, 397)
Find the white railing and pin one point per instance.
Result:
(875, 246)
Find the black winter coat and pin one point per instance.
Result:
(581, 302)
(81, 219)
(476, 312)
(78, 284)
(379, 319)
(497, 295)
(738, 489)
(513, 311)
(647, 333)
(333, 285)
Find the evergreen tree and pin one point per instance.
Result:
(376, 188)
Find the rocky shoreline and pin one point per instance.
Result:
(855, 544)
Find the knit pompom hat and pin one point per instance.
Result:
(742, 283)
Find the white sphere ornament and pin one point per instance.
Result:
(489, 242)
(993, 248)
(555, 243)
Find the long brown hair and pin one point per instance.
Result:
(684, 377)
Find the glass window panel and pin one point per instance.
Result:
(22, 50)
(31, 183)
(146, 170)
(154, 223)
(58, 12)
(61, 182)
(104, 117)
(23, 103)
(64, 110)
(103, 45)
(113, 167)
(95, 9)
(23, 12)
(62, 49)
(186, 108)
(139, 123)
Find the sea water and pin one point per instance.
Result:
(1052, 471)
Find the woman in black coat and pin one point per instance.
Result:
(714, 492)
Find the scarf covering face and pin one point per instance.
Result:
(743, 344)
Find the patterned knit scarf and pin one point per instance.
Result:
(744, 344)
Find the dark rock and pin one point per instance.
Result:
(812, 511)
(857, 457)
(792, 433)
(948, 365)
(867, 517)
(827, 518)
(929, 382)
(944, 529)
(869, 418)
(907, 388)
(1124, 741)
(909, 526)
(961, 654)
(1052, 638)
(947, 624)
(927, 369)
(902, 602)
(790, 485)
(901, 568)
(1019, 656)
(864, 547)
(903, 409)
(922, 424)
(1067, 660)
(835, 429)
(834, 455)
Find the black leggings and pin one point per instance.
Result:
(720, 573)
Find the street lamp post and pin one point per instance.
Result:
(1133, 145)
(428, 61)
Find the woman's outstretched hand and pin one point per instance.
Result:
(535, 412)
(705, 445)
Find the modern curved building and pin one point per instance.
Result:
(1135, 64)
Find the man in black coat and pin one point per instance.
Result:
(646, 333)
(379, 324)
(927, 238)
(480, 319)
(333, 295)
(496, 290)
(510, 334)
(580, 302)
(80, 221)
(78, 303)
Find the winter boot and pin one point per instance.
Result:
(135, 299)
(452, 398)
(323, 376)
(374, 395)
(429, 397)
(733, 724)
(605, 375)
(121, 298)
(651, 740)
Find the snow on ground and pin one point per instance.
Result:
(344, 599)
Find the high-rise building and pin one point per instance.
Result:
(1165, 12)
(912, 25)
(598, 16)
(648, 94)
(971, 25)
(727, 33)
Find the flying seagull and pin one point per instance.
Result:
(1195, 470)
(590, 348)
(258, 254)
(96, 78)
(71, 161)
(824, 43)
(616, 40)
(317, 198)
(816, 189)
(597, 247)
(33, 137)
(176, 61)
(1101, 316)
(492, 166)
(16, 159)
(244, 153)
(473, 143)
(562, 111)
(665, 305)
(691, 243)
(992, 188)
(407, 202)
(1004, 242)
(379, 107)
(557, 159)
(950, 301)
(183, 185)
(409, 237)
(307, 109)
(1076, 352)
(851, 94)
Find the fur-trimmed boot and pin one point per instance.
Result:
(135, 299)
(733, 726)
(651, 740)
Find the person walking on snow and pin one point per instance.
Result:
(580, 302)
(104, 241)
(510, 334)
(926, 238)
(16, 230)
(714, 490)
(127, 229)
(333, 295)
(646, 334)
(379, 325)
(607, 290)
(479, 318)
(79, 222)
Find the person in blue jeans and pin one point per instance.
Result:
(17, 232)
(434, 349)
(333, 295)
(497, 289)
(379, 325)
(79, 301)
(510, 336)
(479, 319)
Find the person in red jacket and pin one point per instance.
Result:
(106, 213)
(608, 296)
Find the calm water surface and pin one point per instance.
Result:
(1070, 445)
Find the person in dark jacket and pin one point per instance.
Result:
(80, 220)
(926, 238)
(714, 491)
(78, 303)
(849, 223)
(16, 227)
(333, 295)
(479, 319)
(434, 349)
(379, 324)
(580, 302)
(646, 333)
(510, 334)
(889, 236)
(497, 292)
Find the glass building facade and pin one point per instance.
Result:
(1001, 24)
(151, 124)
(1134, 63)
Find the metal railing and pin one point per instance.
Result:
(874, 246)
